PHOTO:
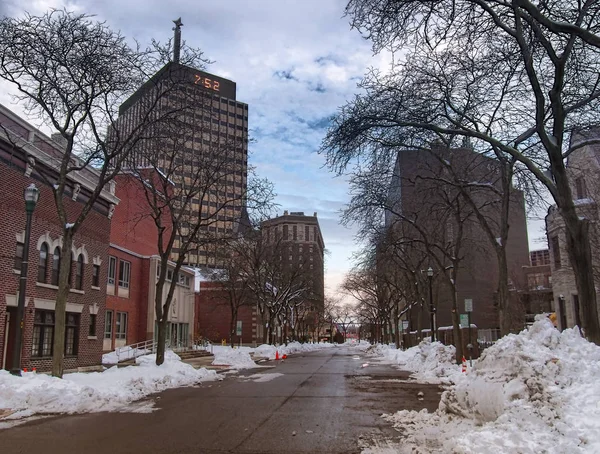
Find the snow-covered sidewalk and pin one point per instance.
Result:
(111, 390)
(534, 392)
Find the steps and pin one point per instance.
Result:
(194, 354)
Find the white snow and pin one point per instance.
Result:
(239, 357)
(69, 225)
(270, 351)
(534, 392)
(262, 378)
(235, 358)
(112, 390)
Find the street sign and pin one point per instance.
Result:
(238, 328)
(468, 305)
(405, 325)
(464, 320)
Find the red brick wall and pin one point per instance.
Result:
(94, 235)
(213, 315)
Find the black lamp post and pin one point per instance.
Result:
(32, 194)
(431, 308)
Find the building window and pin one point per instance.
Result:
(306, 233)
(285, 232)
(96, 276)
(580, 188)
(43, 265)
(555, 251)
(55, 266)
(18, 256)
(43, 333)
(108, 325)
(124, 271)
(71, 334)
(92, 331)
(295, 232)
(112, 270)
(79, 273)
(121, 325)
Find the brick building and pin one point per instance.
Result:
(537, 295)
(583, 169)
(418, 197)
(28, 156)
(133, 267)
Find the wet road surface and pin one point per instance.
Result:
(323, 402)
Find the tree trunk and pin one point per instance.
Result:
(232, 325)
(162, 341)
(505, 318)
(420, 324)
(60, 310)
(458, 341)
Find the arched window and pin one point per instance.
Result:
(79, 273)
(55, 266)
(43, 265)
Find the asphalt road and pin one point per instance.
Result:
(324, 402)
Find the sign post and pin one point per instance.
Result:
(468, 310)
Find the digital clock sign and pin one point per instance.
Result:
(207, 83)
(212, 83)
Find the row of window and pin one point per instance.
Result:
(43, 333)
(124, 272)
(120, 327)
(52, 263)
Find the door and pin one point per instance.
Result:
(174, 330)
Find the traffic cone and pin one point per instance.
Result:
(276, 355)
(284, 357)
(34, 370)
(464, 364)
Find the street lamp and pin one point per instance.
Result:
(431, 308)
(32, 194)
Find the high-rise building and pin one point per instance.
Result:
(206, 128)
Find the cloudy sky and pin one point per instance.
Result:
(294, 61)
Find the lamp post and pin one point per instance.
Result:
(431, 308)
(32, 194)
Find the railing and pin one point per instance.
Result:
(134, 350)
(204, 344)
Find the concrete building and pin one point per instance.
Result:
(28, 156)
(419, 201)
(213, 133)
(583, 168)
(133, 268)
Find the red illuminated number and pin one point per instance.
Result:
(216, 86)
(197, 79)
(207, 83)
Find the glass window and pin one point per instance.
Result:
(556, 251)
(43, 333)
(71, 334)
(92, 331)
(96, 276)
(121, 325)
(79, 273)
(108, 325)
(112, 270)
(43, 264)
(55, 266)
(124, 270)
(19, 256)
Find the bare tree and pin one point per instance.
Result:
(517, 77)
(73, 73)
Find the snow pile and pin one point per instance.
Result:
(170, 355)
(110, 390)
(428, 361)
(533, 392)
(233, 357)
(269, 351)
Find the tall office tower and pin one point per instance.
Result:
(195, 133)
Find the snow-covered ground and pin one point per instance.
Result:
(111, 390)
(534, 392)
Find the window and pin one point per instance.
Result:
(79, 273)
(555, 251)
(92, 331)
(108, 325)
(306, 233)
(71, 334)
(43, 333)
(580, 189)
(295, 232)
(18, 256)
(112, 270)
(124, 270)
(43, 265)
(96, 276)
(121, 325)
(285, 232)
(55, 266)
(169, 274)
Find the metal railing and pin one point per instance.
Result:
(134, 350)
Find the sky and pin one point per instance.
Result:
(295, 63)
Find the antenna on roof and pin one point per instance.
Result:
(177, 40)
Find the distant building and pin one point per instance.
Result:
(28, 156)
(537, 295)
(583, 170)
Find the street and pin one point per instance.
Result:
(328, 401)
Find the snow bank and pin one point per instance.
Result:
(432, 362)
(233, 357)
(110, 390)
(533, 392)
(269, 351)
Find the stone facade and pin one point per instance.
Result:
(25, 155)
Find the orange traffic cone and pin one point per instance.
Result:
(464, 364)
(284, 357)
(276, 355)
